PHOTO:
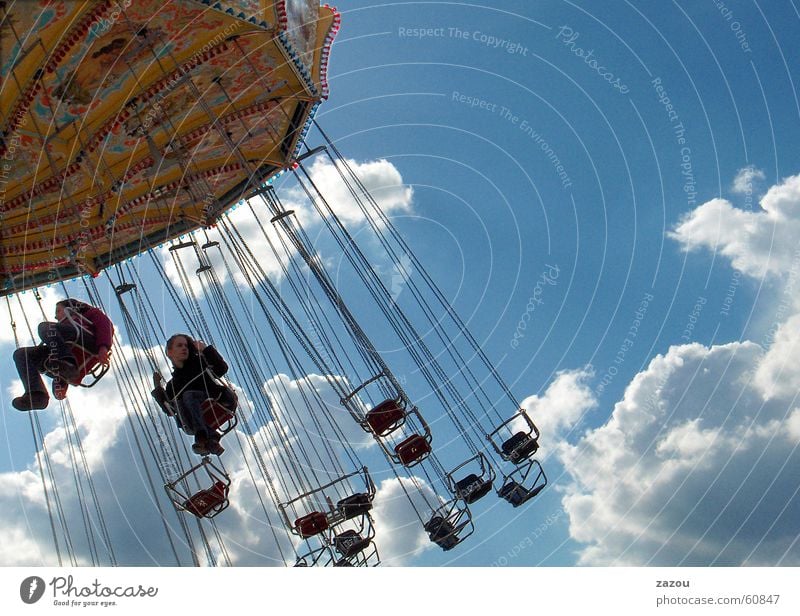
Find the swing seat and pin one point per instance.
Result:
(209, 501)
(88, 365)
(412, 450)
(218, 417)
(385, 418)
(312, 524)
(472, 488)
(517, 494)
(442, 533)
(354, 505)
(349, 543)
(519, 447)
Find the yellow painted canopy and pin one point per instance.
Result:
(126, 123)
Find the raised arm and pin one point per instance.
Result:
(214, 360)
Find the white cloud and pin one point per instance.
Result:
(220, 257)
(793, 426)
(400, 533)
(381, 178)
(330, 423)
(761, 242)
(692, 467)
(779, 372)
(117, 453)
(747, 179)
(696, 464)
(559, 411)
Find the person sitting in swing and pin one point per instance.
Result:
(196, 369)
(78, 326)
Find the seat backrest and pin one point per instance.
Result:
(519, 447)
(349, 543)
(311, 524)
(87, 363)
(438, 527)
(472, 488)
(515, 493)
(442, 532)
(353, 505)
(215, 415)
(386, 417)
(206, 501)
(412, 450)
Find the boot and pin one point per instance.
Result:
(31, 401)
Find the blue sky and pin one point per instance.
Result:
(648, 151)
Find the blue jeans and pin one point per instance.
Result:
(190, 412)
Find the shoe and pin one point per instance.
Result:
(200, 446)
(33, 401)
(200, 449)
(60, 387)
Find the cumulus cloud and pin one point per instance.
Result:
(214, 251)
(793, 426)
(694, 465)
(746, 180)
(119, 470)
(400, 532)
(380, 178)
(760, 242)
(315, 416)
(778, 374)
(90, 448)
(562, 406)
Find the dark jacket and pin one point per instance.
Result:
(193, 376)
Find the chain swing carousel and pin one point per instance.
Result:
(130, 133)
